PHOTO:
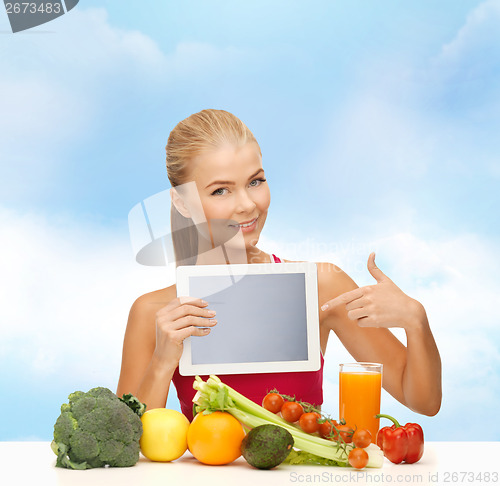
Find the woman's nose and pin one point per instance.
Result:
(244, 203)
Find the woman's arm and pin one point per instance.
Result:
(360, 317)
(141, 374)
(157, 326)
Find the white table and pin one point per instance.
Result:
(443, 463)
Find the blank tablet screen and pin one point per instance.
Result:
(258, 319)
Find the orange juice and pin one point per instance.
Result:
(359, 396)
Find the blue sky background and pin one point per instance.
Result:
(378, 123)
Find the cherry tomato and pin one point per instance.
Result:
(345, 433)
(358, 458)
(309, 422)
(291, 411)
(273, 402)
(362, 438)
(325, 429)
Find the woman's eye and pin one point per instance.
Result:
(257, 180)
(219, 192)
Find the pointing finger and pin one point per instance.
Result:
(343, 299)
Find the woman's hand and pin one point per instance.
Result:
(180, 318)
(381, 305)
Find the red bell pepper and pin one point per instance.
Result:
(401, 443)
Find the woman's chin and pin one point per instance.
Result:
(243, 244)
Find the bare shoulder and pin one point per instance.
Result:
(333, 280)
(150, 303)
(141, 325)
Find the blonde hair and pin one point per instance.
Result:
(201, 132)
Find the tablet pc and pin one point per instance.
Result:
(267, 318)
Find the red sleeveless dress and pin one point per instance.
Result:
(307, 386)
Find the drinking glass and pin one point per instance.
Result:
(360, 386)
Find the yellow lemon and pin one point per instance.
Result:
(164, 436)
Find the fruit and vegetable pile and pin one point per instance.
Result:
(97, 429)
(313, 441)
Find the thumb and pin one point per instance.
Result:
(375, 272)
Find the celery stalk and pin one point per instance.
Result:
(213, 395)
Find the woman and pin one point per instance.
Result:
(215, 167)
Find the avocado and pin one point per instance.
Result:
(266, 446)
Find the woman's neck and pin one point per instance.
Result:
(229, 253)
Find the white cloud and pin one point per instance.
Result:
(81, 43)
(52, 82)
(195, 58)
(408, 121)
(456, 275)
(65, 292)
(465, 72)
(374, 134)
(479, 32)
(54, 88)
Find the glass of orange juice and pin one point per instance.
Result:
(360, 386)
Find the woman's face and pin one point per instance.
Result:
(233, 190)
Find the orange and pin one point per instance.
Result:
(215, 438)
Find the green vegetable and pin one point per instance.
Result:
(302, 457)
(134, 403)
(96, 429)
(214, 395)
(266, 446)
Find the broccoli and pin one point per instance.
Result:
(97, 429)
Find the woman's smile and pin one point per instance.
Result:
(246, 227)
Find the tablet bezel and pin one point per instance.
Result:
(308, 269)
